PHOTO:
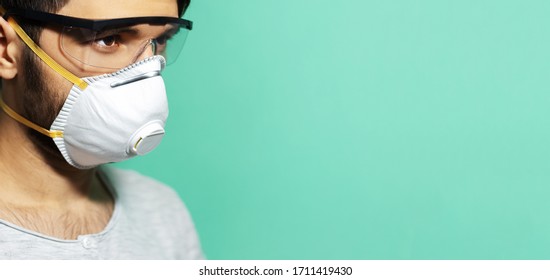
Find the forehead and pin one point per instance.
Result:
(108, 9)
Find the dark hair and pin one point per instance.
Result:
(52, 6)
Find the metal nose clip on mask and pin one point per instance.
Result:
(106, 118)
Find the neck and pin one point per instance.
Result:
(43, 193)
(31, 177)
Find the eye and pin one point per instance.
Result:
(107, 41)
(162, 40)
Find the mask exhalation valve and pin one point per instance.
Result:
(146, 139)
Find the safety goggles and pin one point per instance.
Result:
(114, 43)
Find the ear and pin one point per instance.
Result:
(9, 50)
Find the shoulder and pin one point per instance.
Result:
(153, 206)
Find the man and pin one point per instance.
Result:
(81, 87)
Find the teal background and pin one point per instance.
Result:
(316, 129)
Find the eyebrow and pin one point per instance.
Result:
(129, 30)
(172, 30)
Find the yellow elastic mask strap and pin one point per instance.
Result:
(45, 57)
(21, 119)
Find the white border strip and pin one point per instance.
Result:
(166, 270)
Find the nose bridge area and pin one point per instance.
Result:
(149, 49)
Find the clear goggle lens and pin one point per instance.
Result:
(119, 47)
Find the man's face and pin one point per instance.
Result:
(44, 89)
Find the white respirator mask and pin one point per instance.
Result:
(106, 118)
(118, 116)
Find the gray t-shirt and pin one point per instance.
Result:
(149, 221)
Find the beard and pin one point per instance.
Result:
(42, 104)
